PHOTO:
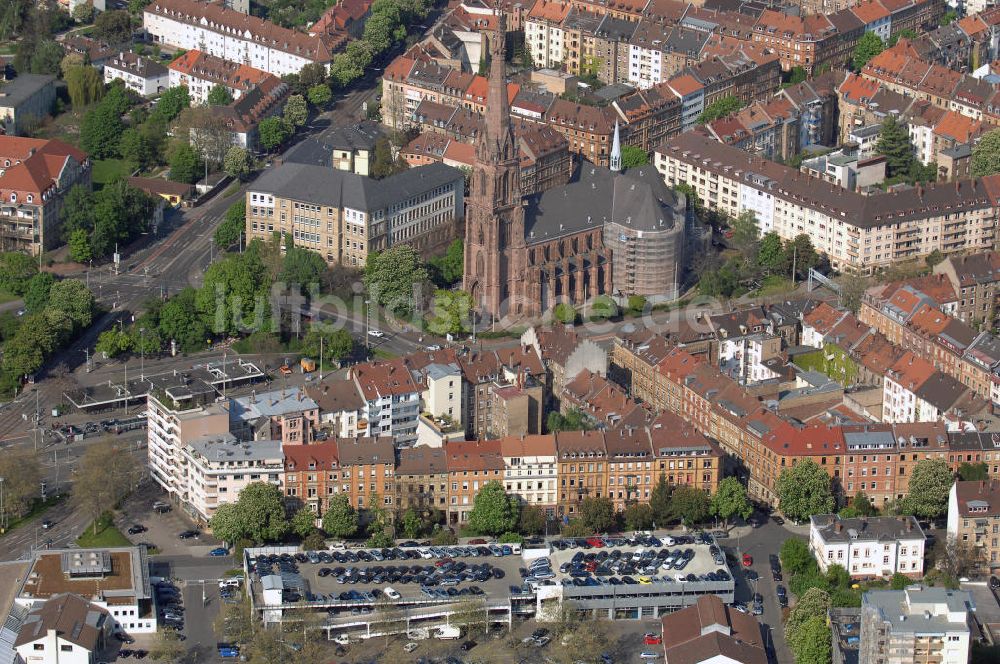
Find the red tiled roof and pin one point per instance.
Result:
(473, 455)
(34, 166)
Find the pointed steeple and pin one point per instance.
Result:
(497, 142)
(616, 151)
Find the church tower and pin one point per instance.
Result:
(495, 254)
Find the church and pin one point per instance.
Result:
(608, 231)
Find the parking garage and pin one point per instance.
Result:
(414, 587)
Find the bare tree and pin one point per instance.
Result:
(106, 474)
(21, 484)
(471, 615)
(956, 558)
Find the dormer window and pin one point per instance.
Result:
(31, 198)
(13, 198)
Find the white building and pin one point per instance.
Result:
(915, 625)
(391, 399)
(218, 30)
(544, 35)
(867, 547)
(201, 72)
(65, 629)
(114, 580)
(143, 75)
(218, 467)
(530, 469)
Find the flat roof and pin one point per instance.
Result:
(126, 580)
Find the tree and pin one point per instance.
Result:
(894, 144)
(956, 558)
(105, 475)
(383, 162)
(233, 296)
(986, 155)
(574, 420)
(219, 95)
(36, 295)
(340, 518)
(273, 132)
(447, 269)
(659, 501)
(101, 131)
(689, 504)
(973, 472)
(229, 231)
(804, 490)
(930, 485)
(493, 511)
(531, 521)
(113, 342)
(114, 27)
(84, 85)
(16, 271)
(320, 95)
(172, 102)
(72, 297)
(185, 164)
(47, 58)
(390, 277)
(813, 602)
(303, 522)
(867, 47)
(451, 313)
(564, 313)
(412, 524)
(861, 505)
(810, 643)
(638, 516)
(180, 321)
(633, 155)
(22, 476)
(337, 343)
(746, 235)
(731, 500)
(296, 112)
(134, 149)
(801, 254)
(301, 266)
(237, 162)
(948, 18)
(598, 514)
(83, 12)
(720, 108)
(852, 291)
(771, 254)
(263, 512)
(797, 75)
(796, 556)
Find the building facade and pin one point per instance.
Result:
(868, 547)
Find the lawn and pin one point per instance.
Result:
(774, 285)
(39, 507)
(106, 536)
(108, 170)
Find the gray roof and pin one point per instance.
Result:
(920, 609)
(15, 92)
(438, 371)
(636, 198)
(871, 529)
(335, 188)
(225, 447)
(270, 404)
(941, 391)
(616, 28)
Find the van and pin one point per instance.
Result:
(234, 582)
(447, 632)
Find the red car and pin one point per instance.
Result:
(651, 639)
(595, 542)
(747, 560)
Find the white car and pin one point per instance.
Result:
(392, 593)
(342, 639)
(649, 654)
(410, 647)
(378, 334)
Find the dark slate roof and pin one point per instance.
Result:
(616, 28)
(336, 188)
(636, 198)
(23, 87)
(318, 150)
(870, 529)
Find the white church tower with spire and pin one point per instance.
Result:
(616, 151)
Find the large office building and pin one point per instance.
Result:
(344, 216)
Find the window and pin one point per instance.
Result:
(65, 647)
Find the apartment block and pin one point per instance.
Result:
(200, 72)
(471, 465)
(422, 479)
(974, 520)
(143, 75)
(311, 475)
(25, 101)
(391, 400)
(917, 624)
(367, 471)
(530, 470)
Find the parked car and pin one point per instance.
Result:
(137, 528)
(747, 560)
(188, 534)
(651, 639)
(219, 551)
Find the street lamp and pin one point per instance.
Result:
(368, 310)
(142, 353)
(3, 515)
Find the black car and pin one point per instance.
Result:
(137, 528)
(497, 573)
(994, 582)
(468, 645)
(778, 520)
(782, 596)
(189, 534)
(539, 633)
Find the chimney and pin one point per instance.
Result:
(838, 527)
(909, 524)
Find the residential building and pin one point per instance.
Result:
(712, 633)
(391, 399)
(112, 584)
(974, 519)
(543, 32)
(145, 76)
(64, 629)
(530, 470)
(517, 409)
(201, 72)
(288, 416)
(367, 471)
(471, 465)
(868, 546)
(312, 475)
(341, 408)
(582, 472)
(845, 168)
(859, 233)
(35, 176)
(242, 116)
(976, 280)
(218, 467)
(344, 216)
(421, 479)
(25, 101)
(238, 37)
(917, 624)
(565, 354)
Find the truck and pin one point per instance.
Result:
(447, 632)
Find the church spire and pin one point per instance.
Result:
(497, 141)
(616, 151)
